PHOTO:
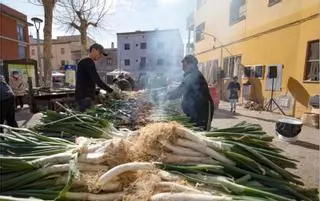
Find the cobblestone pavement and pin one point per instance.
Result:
(306, 149)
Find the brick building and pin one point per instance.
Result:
(14, 41)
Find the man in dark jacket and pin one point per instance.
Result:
(87, 78)
(7, 104)
(197, 102)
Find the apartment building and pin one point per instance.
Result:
(107, 63)
(150, 51)
(249, 39)
(65, 50)
(14, 41)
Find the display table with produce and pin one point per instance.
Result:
(72, 156)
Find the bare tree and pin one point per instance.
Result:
(80, 15)
(48, 6)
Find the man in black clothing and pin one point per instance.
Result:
(197, 102)
(7, 105)
(87, 78)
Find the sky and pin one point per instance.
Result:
(124, 16)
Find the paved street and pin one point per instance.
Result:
(306, 149)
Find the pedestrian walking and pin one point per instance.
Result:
(234, 89)
(7, 104)
(18, 88)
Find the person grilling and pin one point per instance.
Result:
(87, 78)
(197, 103)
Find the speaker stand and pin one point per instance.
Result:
(268, 106)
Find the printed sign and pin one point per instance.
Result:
(25, 71)
(70, 72)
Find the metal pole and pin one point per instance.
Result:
(39, 57)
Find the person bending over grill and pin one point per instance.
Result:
(197, 103)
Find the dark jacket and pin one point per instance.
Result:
(87, 78)
(197, 102)
(5, 90)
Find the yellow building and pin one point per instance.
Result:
(249, 38)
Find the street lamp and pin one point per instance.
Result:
(37, 22)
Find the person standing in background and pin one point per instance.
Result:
(18, 88)
(7, 108)
(234, 89)
(87, 78)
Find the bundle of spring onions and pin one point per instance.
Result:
(163, 161)
(70, 125)
(55, 169)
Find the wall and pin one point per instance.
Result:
(267, 36)
(171, 52)
(9, 37)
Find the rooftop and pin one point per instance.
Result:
(13, 13)
(150, 31)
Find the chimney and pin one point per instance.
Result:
(112, 45)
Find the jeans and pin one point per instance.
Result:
(84, 104)
(233, 103)
(8, 113)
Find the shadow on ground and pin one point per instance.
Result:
(307, 145)
(23, 116)
(259, 118)
(223, 114)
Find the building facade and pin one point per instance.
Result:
(65, 50)
(261, 42)
(14, 41)
(107, 63)
(150, 51)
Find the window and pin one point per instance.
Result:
(63, 62)
(160, 45)
(160, 62)
(248, 71)
(259, 71)
(62, 50)
(273, 2)
(200, 32)
(33, 52)
(231, 65)
(127, 62)
(143, 61)
(20, 31)
(127, 46)
(109, 61)
(237, 11)
(22, 51)
(200, 3)
(143, 46)
(312, 70)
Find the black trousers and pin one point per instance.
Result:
(84, 104)
(8, 113)
(19, 101)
